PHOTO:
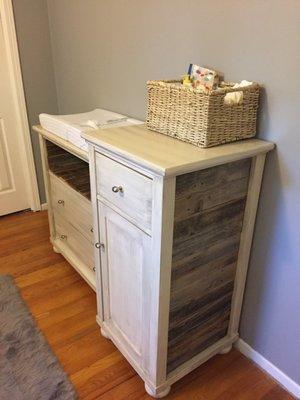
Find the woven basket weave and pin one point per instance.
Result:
(198, 118)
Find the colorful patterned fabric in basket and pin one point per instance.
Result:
(202, 119)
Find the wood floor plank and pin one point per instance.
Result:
(52, 317)
(57, 271)
(65, 307)
(84, 352)
(277, 393)
(65, 331)
(103, 376)
(29, 260)
(76, 290)
(237, 382)
(130, 389)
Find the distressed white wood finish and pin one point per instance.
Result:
(76, 151)
(159, 158)
(123, 262)
(47, 184)
(96, 232)
(164, 155)
(72, 205)
(157, 394)
(77, 243)
(254, 186)
(160, 276)
(134, 197)
(59, 246)
(156, 253)
(74, 221)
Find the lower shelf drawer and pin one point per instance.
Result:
(74, 240)
(72, 205)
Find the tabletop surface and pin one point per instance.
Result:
(168, 156)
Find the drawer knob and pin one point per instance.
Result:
(99, 245)
(117, 189)
(63, 237)
(62, 202)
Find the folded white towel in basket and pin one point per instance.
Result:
(236, 97)
(70, 127)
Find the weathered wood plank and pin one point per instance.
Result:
(193, 292)
(211, 178)
(199, 311)
(208, 221)
(70, 168)
(196, 202)
(209, 209)
(200, 243)
(203, 274)
(204, 255)
(197, 340)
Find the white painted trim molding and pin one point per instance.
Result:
(285, 381)
(10, 41)
(44, 206)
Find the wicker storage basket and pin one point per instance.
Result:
(198, 118)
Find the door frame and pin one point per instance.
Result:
(11, 46)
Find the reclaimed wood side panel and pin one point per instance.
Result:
(209, 209)
(70, 168)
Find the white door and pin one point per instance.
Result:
(123, 263)
(13, 191)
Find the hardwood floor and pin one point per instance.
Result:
(65, 308)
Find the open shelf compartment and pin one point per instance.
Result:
(73, 170)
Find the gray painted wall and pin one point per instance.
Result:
(32, 26)
(104, 51)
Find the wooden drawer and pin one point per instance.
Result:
(74, 240)
(74, 207)
(135, 195)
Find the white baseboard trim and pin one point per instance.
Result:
(290, 385)
(44, 206)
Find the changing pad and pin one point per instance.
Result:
(70, 127)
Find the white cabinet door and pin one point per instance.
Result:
(123, 261)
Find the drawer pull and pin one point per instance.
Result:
(117, 189)
(62, 202)
(63, 237)
(99, 245)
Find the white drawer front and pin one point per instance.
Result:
(72, 206)
(126, 189)
(76, 242)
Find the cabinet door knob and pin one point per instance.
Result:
(117, 189)
(62, 202)
(92, 230)
(63, 237)
(99, 245)
(94, 269)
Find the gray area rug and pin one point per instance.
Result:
(28, 368)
